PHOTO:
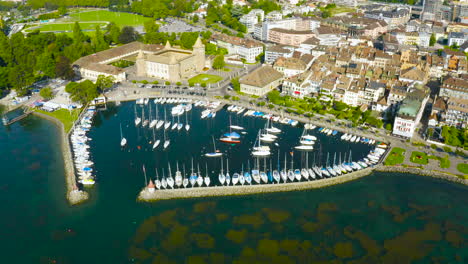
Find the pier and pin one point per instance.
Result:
(8, 122)
(183, 193)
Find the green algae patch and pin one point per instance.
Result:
(195, 260)
(327, 207)
(176, 239)
(290, 246)
(139, 253)
(255, 220)
(203, 240)
(216, 257)
(162, 259)
(204, 207)
(454, 238)
(167, 218)
(343, 250)
(221, 217)
(236, 236)
(268, 247)
(276, 216)
(371, 246)
(397, 215)
(310, 227)
(412, 245)
(145, 229)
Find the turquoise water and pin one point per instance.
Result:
(391, 218)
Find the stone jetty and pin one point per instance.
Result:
(181, 193)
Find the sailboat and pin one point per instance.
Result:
(193, 176)
(228, 177)
(271, 128)
(247, 176)
(178, 176)
(166, 141)
(156, 142)
(260, 151)
(179, 125)
(221, 176)
(216, 153)
(123, 141)
(187, 126)
(137, 118)
(199, 178)
(170, 180)
(276, 175)
(207, 178)
(174, 124)
(329, 169)
(263, 175)
(235, 178)
(153, 121)
(231, 138)
(157, 182)
(284, 173)
(160, 123)
(185, 181)
(256, 174)
(241, 176)
(336, 168)
(167, 123)
(164, 181)
(145, 121)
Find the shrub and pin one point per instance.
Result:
(433, 146)
(191, 84)
(271, 106)
(227, 96)
(178, 83)
(134, 81)
(261, 103)
(235, 98)
(444, 162)
(447, 149)
(167, 83)
(463, 168)
(155, 82)
(144, 82)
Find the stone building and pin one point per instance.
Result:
(260, 81)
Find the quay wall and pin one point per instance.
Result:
(147, 196)
(74, 196)
(431, 173)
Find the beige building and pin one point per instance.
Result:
(155, 61)
(260, 81)
(171, 64)
(289, 37)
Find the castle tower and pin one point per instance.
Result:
(168, 45)
(141, 64)
(199, 52)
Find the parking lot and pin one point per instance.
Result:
(178, 26)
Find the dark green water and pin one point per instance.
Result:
(389, 218)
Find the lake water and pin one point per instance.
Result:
(391, 218)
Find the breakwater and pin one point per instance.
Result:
(431, 173)
(74, 195)
(147, 196)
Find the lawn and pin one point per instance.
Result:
(119, 18)
(65, 116)
(205, 78)
(419, 157)
(62, 27)
(396, 156)
(342, 9)
(463, 168)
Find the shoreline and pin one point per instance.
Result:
(422, 172)
(183, 193)
(74, 195)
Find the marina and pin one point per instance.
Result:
(234, 146)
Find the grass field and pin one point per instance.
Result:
(419, 158)
(119, 18)
(396, 156)
(342, 9)
(61, 27)
(64, 116)
(205, 78)
(463, 168)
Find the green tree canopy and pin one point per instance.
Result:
(46, 93)
(218, 62)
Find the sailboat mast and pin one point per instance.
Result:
(334, 159)
(221, 165)
(278, 160)
(121, 131)
(192, 165)
(144, 173)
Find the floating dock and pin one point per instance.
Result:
(8, 122)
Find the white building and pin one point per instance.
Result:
(409, 114)
(274, 52)
(245, 48)
(457, 38)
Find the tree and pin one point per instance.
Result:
(46, 93)
(195, 19)
(63, 68)
(187, 39)
(151, 26)
(432, 40)
(235, 84)
(82, 92)
(113, 32)
(45, 64)
(62, 10)
(98, 42)
(218, 62)
(78, 36)
(128, 35)
(388, 127)
(104, 82)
